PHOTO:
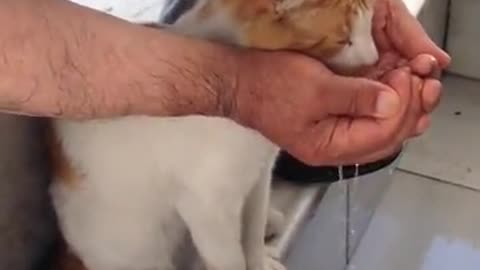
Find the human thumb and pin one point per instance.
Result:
(361, 97)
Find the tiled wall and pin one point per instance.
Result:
(434, 18)
(464, 37)
(454, 24)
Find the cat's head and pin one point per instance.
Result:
(338, 32)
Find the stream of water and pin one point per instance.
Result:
(349, 231)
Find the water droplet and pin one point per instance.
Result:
(340, 173)
(357, 171)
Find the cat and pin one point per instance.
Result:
(130, 192)
(27, 221)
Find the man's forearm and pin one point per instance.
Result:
(59, 59)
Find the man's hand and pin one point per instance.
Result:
(402, 40)
(425, 69)
(322, 118)
(397, 31)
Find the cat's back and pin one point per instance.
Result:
(153, 160)
(166, 145)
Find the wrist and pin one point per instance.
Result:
(244, 99)
(203, 74)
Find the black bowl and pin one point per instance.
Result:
(290, 169)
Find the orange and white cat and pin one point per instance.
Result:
(131, 191)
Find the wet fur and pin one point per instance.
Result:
(131, 192)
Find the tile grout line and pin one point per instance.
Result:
(460, 76)
(436, 179)
(446, 27)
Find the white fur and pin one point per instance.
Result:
(362, 51)
(147, 181)
(140, 175)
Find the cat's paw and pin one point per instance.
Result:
(271, 263)
(275, 223)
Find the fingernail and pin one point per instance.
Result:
(387, 104)
(433, 63)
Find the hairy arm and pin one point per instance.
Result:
(63, 60)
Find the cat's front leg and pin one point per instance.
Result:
(275, 223)
(271, 263)
(256, 214)
(215, 226)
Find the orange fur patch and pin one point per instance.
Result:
(61, 166)
(66, 260)
(319, 28)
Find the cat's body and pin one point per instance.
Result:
(129, 190)
(147, 176)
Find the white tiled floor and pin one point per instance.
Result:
(429, 217)
(422, 225)
(451, 149)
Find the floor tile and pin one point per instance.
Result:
(422, 225)
(450, 150)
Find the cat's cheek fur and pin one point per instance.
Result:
(362, 51)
